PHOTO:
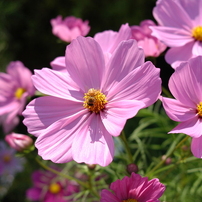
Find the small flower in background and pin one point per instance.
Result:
(90, 102)
(142, 34)
(133, 189)
(47, 187)
(19, 142)
(15, 87)
(185, 84)
(9, 164)
(180, 28)
(69, 28)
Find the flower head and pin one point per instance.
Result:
(185, 84)
(47, 187)
(69, 28)
(133, 189)
(180, 28)
(9, 164)
(18, 141)
(15, 86)
(151, 45)
(90, 102)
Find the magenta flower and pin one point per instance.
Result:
(133, 189)
(90, 102)
(18, 142)
(185, 84)
(181, 28)
(142, 34)
(9, 164)
(49, 188)
(69, 28)
(15, 87)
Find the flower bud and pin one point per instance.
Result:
(18, 141)
(167, 160)
(132, 168)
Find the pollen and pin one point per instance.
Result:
(197, 33)
(6, 158)
(54, 188)
(130, 200)
(199, 109)
(94, 100)
(19, 92)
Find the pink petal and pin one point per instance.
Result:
(55, 143)
(185, 83)
(192, 127)
(116, 113)
(172, 37)
(107, 196)
(21, 75)
(165, 13)
(196, 147)
(197, 48)
(92, 143)
(59, 64)
(85, 63)
(106, 39)
(176, 55)
(44, 111)
(55, 83)
(178, 111)
(142, 84)
(33, 194)
(127, 57)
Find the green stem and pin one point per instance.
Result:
(166, 92)
(61, 174)
(162, 161)
(125, 143)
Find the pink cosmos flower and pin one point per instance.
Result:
(49, 188)
(181, 28)
(18, 142)
(133, 189)
(151, 45)
(90, 102)
(185, 84)
(69, 28)
(9, 164)
(15, 86)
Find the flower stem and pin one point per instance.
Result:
(125, 143)
(61, 174)
(166, 156)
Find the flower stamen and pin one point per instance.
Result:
(197, 33)
(199, 109)
(130, 200)
(94, 100)
(54, 188)
(19, 92)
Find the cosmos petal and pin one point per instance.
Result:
(196, 147)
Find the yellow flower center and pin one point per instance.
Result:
(130, 200)
(6, 158)
(19, 92)
(199, 109)
(94, 100)
(197, 33)
(54, 188)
